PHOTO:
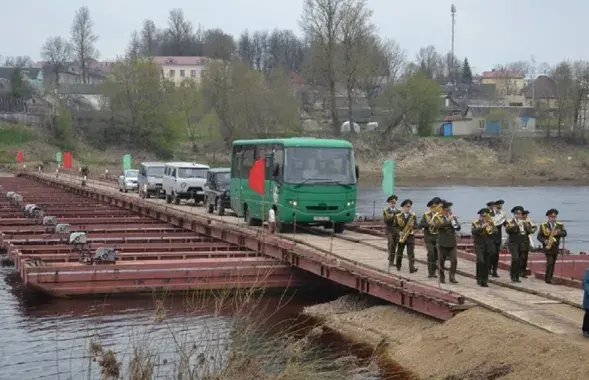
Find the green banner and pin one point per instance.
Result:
(59, 157)
(388, 177)
(127, 162)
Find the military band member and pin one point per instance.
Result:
(389, 215)
(527, 246)
(482, 230)
(447, 226)
(406, 222)
(518, 232)
(430, 236)
(497, 238)
(549, 234)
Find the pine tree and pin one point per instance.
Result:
(466, 72)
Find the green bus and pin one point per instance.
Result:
(308, 181)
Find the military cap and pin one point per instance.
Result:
(516, 209)
(500, 202)
(552, 212)
(483, 211)
(392, 197)
(436, 200)
(446, 204)
(430, 203)
(407, 202)
(491, 203)
(525, 212)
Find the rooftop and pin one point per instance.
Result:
(181, 60)
(502, 74)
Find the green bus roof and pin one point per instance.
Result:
(299, 141)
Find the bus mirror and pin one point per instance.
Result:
(357, 172)
(276, 171)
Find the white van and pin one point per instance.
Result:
(184, 180)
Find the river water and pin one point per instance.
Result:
(50, 339)
(572, 202)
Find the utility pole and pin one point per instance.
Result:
(453, 12)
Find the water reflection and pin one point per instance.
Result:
(570, 201)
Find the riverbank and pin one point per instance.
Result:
(476, 344)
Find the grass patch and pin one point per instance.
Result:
(11, 135)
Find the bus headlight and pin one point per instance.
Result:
(350, 203)
(293, 203)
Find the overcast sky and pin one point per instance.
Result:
(487, 32)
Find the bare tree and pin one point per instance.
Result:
(134, 48)
(180, 33)
(191, 109)
(19, 61)
(429, 62)
(57, 51)
(83, 40)
(149, 42)
(356, 33)
(321, 22)
(383, 64)
(563, 78)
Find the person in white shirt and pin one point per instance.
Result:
(272, 219)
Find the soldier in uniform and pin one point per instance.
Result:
(430, 237)
(482, 230)
(495, 208)
(406, 221)
(549, 234)
(524, 253)
(389, 216)
(447, 226)
(517, 242)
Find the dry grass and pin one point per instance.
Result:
(456, 158)
(245, 347)
(476, 344)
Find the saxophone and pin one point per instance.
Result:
(408, 229)
(551, 238)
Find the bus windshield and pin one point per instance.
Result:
(192, 173)
(155, 171)
(312, 165)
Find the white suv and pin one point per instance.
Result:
(184, 180)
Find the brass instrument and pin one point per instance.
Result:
(532, 225)
(498, 219)
(408, 229)
(551, 237)
(490, 226)
(388, 213)
(434, 222)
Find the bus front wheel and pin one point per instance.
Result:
(249, 219)
(338, 228)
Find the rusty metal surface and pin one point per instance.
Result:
(152, 255)
(439, 303)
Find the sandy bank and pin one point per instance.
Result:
(476, 344)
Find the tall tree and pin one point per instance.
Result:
(321, 22)
(356, 34)
(466, 72)
(134, 47)
(83, 40)
(149, 39)
(179, 34)
(57, 51)
(20, 61)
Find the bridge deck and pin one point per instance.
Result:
(554, 308)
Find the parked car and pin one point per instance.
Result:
(151, 177)
(217, 190)
(128, 180)
(184, 180)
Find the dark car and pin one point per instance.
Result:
(217, 190)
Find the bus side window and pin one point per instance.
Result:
(278, 159)
(236, 162)
(249, 153)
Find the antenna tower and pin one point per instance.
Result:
(453, 12)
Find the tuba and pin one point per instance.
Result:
(499, 219)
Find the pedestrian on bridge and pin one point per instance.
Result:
(585, 327)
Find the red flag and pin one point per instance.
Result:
(20, 156)
(67, 160)
(257, 176)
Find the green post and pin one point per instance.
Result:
(388, 177)
(126, 162)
